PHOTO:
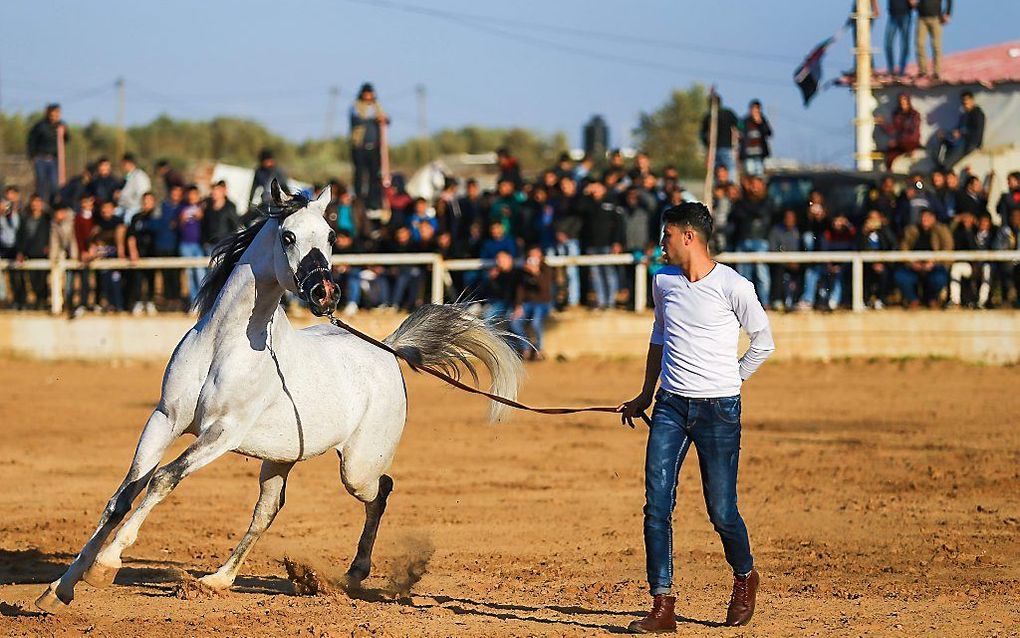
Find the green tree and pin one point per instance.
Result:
(669, 134)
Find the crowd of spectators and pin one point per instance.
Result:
(594, 206)
(941, 211)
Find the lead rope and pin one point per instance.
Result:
(465, 387)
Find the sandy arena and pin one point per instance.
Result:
(881, 500)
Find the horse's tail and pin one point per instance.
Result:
(441, 336)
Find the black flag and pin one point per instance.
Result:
(809, 74)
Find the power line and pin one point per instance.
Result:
(566, 48)
(757, 56)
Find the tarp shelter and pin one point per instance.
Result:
(239, 181)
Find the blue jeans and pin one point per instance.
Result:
(713, 426)
(572, 248)
(352, 285)
(897, 26)
(760, 271)
(535, 313)
(194, 275)
(934, 282)
(727, 157)
(111, 288)
(605, 280)
(832, 285)
(406, 287)
(754, 166)
(45, 177)
(84, 277)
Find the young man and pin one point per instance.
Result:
(33, 242)
(189, 239)
(136, 185)
(219, 218)
(930, 17)
(42, 150)
(755, 132)
(700, 305)
(141, 244)
(367, 119)
(968, 135)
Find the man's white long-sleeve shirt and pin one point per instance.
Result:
(698, 326)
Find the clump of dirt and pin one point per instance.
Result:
(190, 588)
(412, 565)
(307, 580)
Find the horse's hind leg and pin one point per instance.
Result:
(364, 482)
(362, 563)
(209, 446)
(155, 439)
(272, 488)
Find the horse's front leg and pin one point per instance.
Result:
(215, 440)
(272, 489)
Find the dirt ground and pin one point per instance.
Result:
(881, 498)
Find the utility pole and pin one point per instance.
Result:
(1, 128)
(334, 93)
(423, 126)
(119, 85)
(864, 120)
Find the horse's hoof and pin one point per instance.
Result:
(215, 581)
(356, 574)
(99, 575)
(50, 603)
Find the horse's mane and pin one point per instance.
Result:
(229, 250)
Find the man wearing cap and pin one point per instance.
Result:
(42, 149)
(367, 118)
(700, 307)
(265, 173)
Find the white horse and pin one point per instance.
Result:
(244, 380)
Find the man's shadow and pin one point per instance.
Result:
(503, 611)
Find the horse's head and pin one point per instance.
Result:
(304, 242)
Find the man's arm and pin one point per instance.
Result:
(653, 367)
(755, 322)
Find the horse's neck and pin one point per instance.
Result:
(250, 299)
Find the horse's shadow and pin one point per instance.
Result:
(31, 566)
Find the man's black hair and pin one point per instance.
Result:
(129, 157)
(693, 215)
(967, 94)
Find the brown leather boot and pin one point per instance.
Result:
(742, 600)
(660, 621)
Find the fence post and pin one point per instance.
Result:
(640, 285)
(857, 283)
(57, 274)
(438, 278)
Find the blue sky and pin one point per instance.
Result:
(542, 64)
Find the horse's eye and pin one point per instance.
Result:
(332, 237)
(288, 238)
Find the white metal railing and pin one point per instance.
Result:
(440, 267)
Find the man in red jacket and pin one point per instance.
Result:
(904, 130)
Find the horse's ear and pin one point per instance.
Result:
(324, 197)
(280, 194)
